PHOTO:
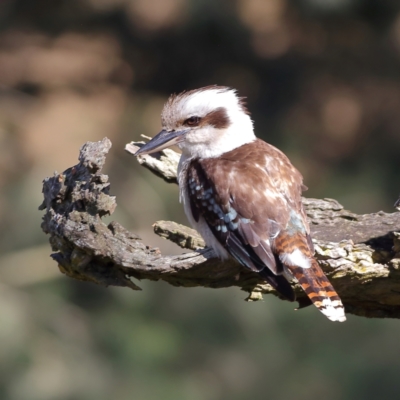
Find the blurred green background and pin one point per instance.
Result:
(322, 79)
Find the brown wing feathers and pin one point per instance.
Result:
(234, 231)
(251, 200)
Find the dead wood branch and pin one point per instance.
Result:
(359, 253)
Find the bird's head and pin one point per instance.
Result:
(204, 123)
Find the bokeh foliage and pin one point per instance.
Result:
(322, 81)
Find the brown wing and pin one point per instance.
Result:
(246, 197)
(251, 200)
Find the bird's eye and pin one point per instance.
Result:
(192, 121)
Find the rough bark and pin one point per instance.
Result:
(359, 253)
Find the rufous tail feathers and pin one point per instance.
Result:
(296, 256)
(319, 290)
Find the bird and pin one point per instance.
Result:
(242, 194)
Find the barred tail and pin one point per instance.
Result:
(319, 290)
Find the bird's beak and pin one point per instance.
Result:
(161, 141)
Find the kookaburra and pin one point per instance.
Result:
(242, 194)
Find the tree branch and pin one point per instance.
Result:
(359, 253)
